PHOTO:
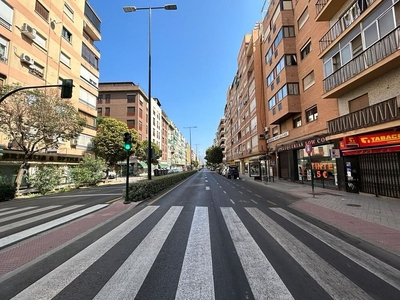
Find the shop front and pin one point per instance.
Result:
(372, 163)
(297, 165)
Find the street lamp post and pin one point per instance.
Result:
(150, 8)
(197, 156)
(190, 144)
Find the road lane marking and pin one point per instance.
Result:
(372, 264)
(249, 191)
(38, 218)
(224, 192)
(273, 203)
(196, 280)
(17, 210)
(46, 226)
(241, 192)
(27, 213)
(331, 280)
(207, 188)
(256, 266)
(127, 280)
(258, 196)
(254, 201)
(233, 202)
(63, 275)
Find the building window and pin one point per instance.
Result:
(90, 120)
(280, 65)
(270, 78)
(268, 55)
(130, 123)
(358, 103)
(305, 50)
(308, 81)
(66, 35)
(140, 112)
(288, 31)
(108, 98)
(100, 99)
(107, 112)
(90, 57)
(312, 114)
(36, 70)
(130, 111)
(286, 5)
(303, 19)
(3, 49)
(68, 11)
(99, 111)
(293, 88)
(271, 102)
(291, 59)
(65, 59)
(131, 98)
(140, 125)
(297, 121)
(41, 10)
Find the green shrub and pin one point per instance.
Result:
(7, 192)
(45, 179)
(144, 189)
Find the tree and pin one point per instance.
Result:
(142, 151)
(214, 155)
(89, 171)
(108, 143)
(37, 120)
(46, 179)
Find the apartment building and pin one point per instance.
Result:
(361, 68)
(244, 113)
(128, 103)
(43, 42)
(330, 72)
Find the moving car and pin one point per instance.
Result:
(232, 172)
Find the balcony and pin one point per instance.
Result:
(326, 9)
(373, 62)
(285, 109)
(383, 112)
(349, 17)
(91, 23)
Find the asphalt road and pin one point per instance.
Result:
(208, 238)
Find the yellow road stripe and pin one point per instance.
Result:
(114, 200)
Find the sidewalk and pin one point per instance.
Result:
(372, 219)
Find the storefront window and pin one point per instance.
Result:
(254, 169)
(322, 165)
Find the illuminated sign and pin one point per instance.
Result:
(371, 140)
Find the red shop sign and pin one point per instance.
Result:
(370, 140)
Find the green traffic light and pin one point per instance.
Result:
(127, 147)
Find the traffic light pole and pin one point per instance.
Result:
(31, 87)
(127, 179)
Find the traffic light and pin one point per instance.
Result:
(66, 88)
(127, 141)
(1, 149)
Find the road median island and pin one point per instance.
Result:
(146, 189)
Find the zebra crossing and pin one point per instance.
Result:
(196, 272)
(15, 214)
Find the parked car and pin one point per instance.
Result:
(232, 172)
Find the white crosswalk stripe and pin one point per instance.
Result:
(27, 213)
(196, 278)
(6, 211)
(46, 226)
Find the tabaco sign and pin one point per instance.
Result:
(296, 145)
(371, 140)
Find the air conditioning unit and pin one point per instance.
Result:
(26, 59)
(266, 129)
(28, 31)
(261, 136)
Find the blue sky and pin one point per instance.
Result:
(194, 55)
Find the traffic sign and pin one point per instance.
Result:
(308, 148)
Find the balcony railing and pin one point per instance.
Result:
(344, 22)
(320, 5)
(383, 112)
(369, 57)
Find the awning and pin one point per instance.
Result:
(360, 151)
(163, 165)
(143, 164)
